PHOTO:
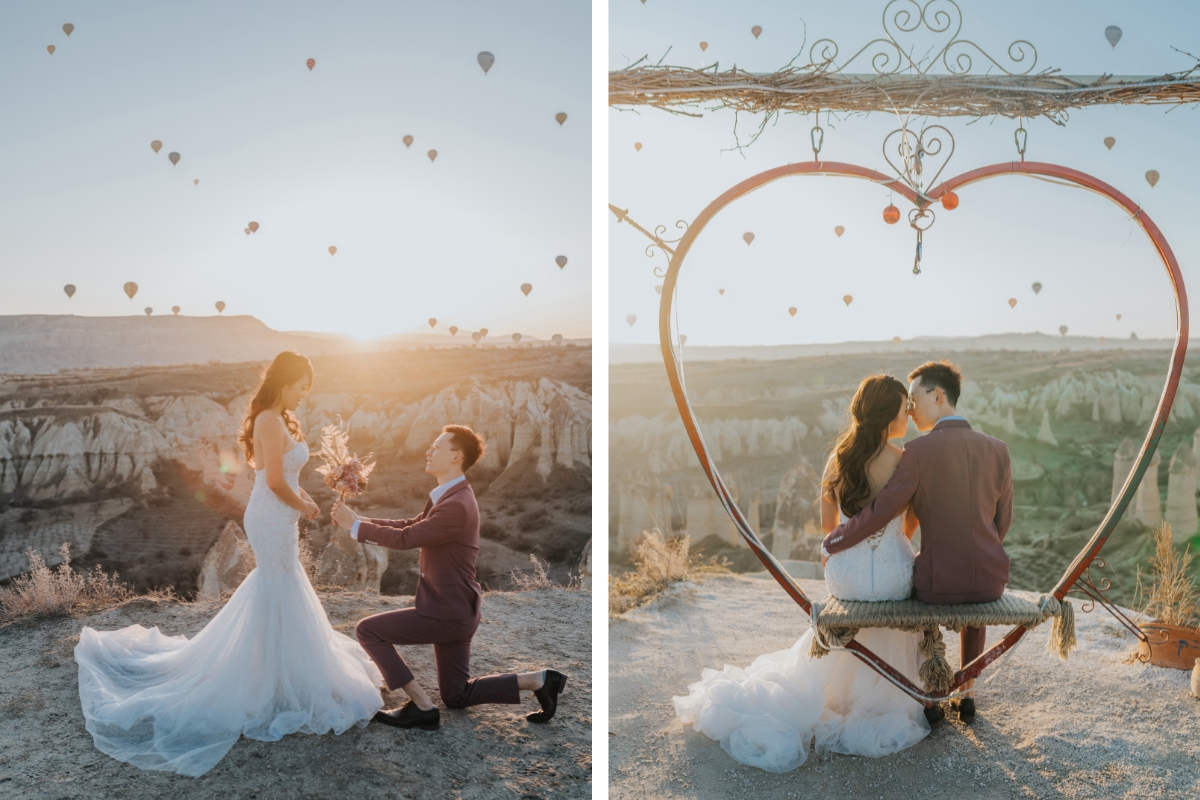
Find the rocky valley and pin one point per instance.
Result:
(1073, 422)
(138, 467)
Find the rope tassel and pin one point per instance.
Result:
(935, 670)
(1062, 631)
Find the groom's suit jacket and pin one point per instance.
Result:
(959, 482)
(448, 534)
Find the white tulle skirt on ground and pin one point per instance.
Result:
(785, 705)
(267, 665)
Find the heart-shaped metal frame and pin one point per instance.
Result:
(1028, 168)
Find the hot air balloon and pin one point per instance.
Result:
(68, 28)
(174, 158)
(950, 201)
(432, 156)
(561, 261)
(247, 230)
(637, 146)
(557, 338)
(149, 311)
(1012, 302)
(631, 318)
(130, 289)
(475, 337)
(748, 237)
(756, 30)
(1062, 329)
(1152, 177)
(847, 299)
(156, 145)
(839, 230)
(1113, 34)
(196, 181)
(891, 215)
(254, 227)
(895, 340)
(408, 140)
(175, 310)
(483, 331)
(561, 117)
(433, 322)
(1118, 317)
(1037, 287)
(517, 338)
(683, 338)
(453, 330)
(722, 291)
(526, 288)
(50, 49)
(220, 306)
(792, 311)
(312, 62)
(485, 60)
(703, 46)
(70, 290)
(1109, 142)
(332, 250)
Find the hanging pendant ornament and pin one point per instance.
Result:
(917, 260)
(817, 136)
(1021, 136)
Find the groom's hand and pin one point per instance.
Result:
(342, 516)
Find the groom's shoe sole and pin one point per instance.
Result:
(966, 710)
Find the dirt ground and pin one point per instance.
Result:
(482, 752)
(1094, 727)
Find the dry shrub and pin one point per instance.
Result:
(528, 581)
(61, 591)
(23, 703)
(1173, 597)
(658, 561)
(310, 559)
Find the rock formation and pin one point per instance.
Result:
(1123, 461)
(639, 510)
(1044, 433)
(46, 529)
(585, 568)
(797, 526)
(1181, 493)
(1149, 502)
(706, 516)
(351, 565)
(227, 564)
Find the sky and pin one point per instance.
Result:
(316, 158)
(1007, 233)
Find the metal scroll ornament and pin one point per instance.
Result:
(917, 152)
(889, 57)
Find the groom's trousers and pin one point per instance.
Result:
(451, 640)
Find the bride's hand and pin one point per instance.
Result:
(311, 510)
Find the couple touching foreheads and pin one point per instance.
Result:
(269, 663)
(953, 481)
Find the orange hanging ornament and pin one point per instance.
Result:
(891, 215)
(949, 201)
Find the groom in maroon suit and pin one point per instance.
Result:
(447, 608)
(959, 484)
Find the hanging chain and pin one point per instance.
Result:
(817, 137)
(1021, 136)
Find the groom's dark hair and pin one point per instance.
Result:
(466, 441)
(941, 375)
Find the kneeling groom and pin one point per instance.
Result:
(447, 607)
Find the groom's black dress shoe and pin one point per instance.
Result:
(554, 685)
(934, 714)
(410, 716)
(965, 707)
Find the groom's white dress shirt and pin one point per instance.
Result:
(824, 552)
(434, 495)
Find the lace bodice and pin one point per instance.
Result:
(878, 568)
(269, 522)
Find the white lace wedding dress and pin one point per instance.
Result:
(785, 705)
(268, 664)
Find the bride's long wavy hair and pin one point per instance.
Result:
(287, 368)
(876, 403)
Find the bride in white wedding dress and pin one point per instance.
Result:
(268, 664)
(785, 705)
